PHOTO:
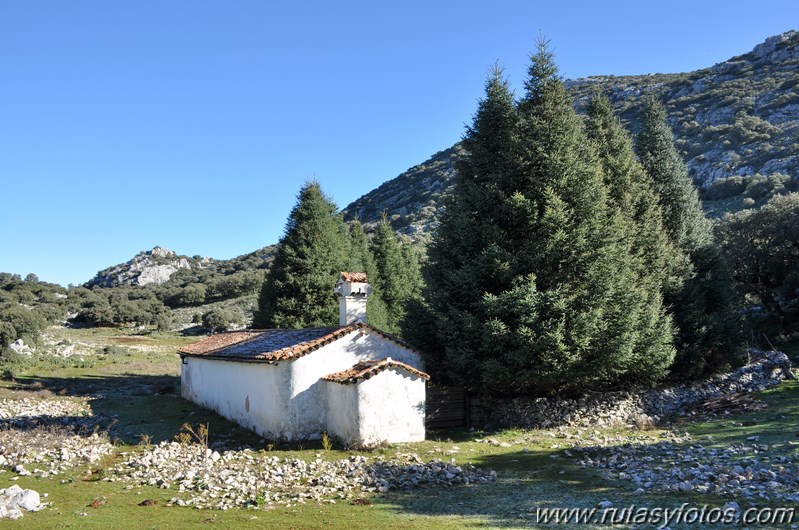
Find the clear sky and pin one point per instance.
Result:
(192, 124)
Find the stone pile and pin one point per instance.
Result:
(208, 479)
(48, 436)
(11, 409)
(750, 471)
(14, 500)
(633, 408)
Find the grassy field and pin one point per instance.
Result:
(136, 389)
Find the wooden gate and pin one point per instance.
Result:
(447, 406)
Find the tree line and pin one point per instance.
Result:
(570, 257)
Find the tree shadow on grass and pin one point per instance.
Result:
(136, 408)
(525, 481)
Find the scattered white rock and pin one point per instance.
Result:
(245, 478)
(677, 463)
(13, 500)
(44, 437)
(20, 347)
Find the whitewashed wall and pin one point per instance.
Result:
(391, 407)
(379, 347)
(388, 407)
(254, 395)
(342, 412)
(288, 400)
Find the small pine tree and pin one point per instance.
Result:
(398, 279)
(315, 248)
(704, 304)
(364, 261)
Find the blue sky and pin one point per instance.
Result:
(192, 124)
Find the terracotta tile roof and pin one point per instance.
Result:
(366, 369)
(353, 277)
(272, 345)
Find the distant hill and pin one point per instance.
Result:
(162, 267)
(739, 118)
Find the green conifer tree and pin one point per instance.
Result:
(398, 279)
(466, 257)
(364, 261)
(653, 261)
(530, 279)
(683, 217)
(632, 195)
(704, 305)
(315, 248)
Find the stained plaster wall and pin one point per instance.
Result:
(254, 395)
(391, 407)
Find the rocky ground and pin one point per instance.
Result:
(47, 435)
(205, 478)
(749, 471)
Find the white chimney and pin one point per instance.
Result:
(352, 291)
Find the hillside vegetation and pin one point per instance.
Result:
(736, 125)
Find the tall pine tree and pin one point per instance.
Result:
(298, 289)
(466, 258)
(632, 196)
(703, 304)
(650, 255)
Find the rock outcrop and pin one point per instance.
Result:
(14, 500)
(151, 266)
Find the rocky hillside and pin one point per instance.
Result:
(739, 118)
(737, 124)
(150, 266)
(412, 200)
(162, 267)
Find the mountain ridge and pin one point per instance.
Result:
(736, 119)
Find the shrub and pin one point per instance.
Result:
(12, 363)
(762, 187)
(218, 320)
(724, 188)
(17, 322)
